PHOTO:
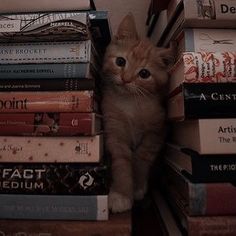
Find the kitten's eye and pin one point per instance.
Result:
(120, 61)
(144, 73)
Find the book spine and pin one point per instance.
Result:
(202, 225)
(26, 6)
(201, 100)
(51, 149)
(213, 169)
(62, 101)
(50, 124)
(207, 67)
(54, 179)
(45, 52)
(206, 136)
(44, 71)
(44, 26)
(203, 67)
(210, 10)
(209, 40)
(53, 207)
(46, 84)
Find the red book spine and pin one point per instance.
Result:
(64, 101)
(54, 124)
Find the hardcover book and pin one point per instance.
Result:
(51, 26)
(14, 6)
(206, 136)
(202, 100)
(199, 199)
(202, 225)
(62, 101)
(53, 207)
(117, 225)
(54, 179)
(47, 84)
(206, 40)
(199, 14)
(203, 67)
(46, 52)
(50, 124)
(51, 149)
(47, 71)
(204, 168)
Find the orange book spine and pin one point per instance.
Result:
(64, 101)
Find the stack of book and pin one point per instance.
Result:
(201, 151)
(51, 144)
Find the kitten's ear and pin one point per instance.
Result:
(127, 28)
(167, 55)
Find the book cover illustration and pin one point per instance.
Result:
(44, 26)
(50, 124)
(51, 149)
(54, 179)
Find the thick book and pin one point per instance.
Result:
(203, 67)
(14, 6)
(54, 101)
(202, 100)
(47, 71)
(198, 14)
(32, 84)
(202, 168)
(51, 149)
(54, 179)
(206, 136)
(53, 207)
(51, 26)
(50, 84)
(116, 225)
(50, 124)
(199, 199)
(202, 225)
(46, 52)
(205, 40)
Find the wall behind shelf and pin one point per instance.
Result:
(119, 8)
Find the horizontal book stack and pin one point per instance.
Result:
(201, 153)
(52, 165)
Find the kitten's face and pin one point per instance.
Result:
(134, 65)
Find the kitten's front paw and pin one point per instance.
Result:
(140, 192)
(119, 202)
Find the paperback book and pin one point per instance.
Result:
(202, 100)
(204, 168)
(198, 14)
(75, 84)
(51, 149)
(50, 124)
(56, 101)
(199, 199)
(53, 207)
(203, 67)
(44, 26)
(54, 179)
(206, 136)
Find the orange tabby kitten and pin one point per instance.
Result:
(134, 77)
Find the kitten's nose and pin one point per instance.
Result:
(126, 79)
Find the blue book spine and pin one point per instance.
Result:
(45, 71)
(58, 207)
